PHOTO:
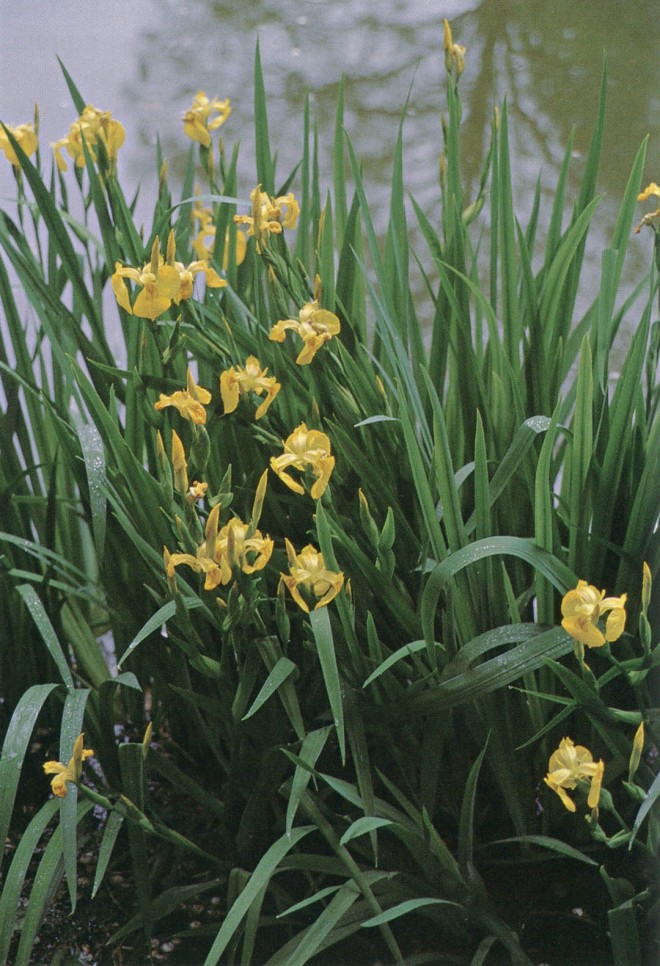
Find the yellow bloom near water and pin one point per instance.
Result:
(239, 380)
(314, 325)
(569, 765)
(72, 772)
(92, 127)
(582, 609)
(309, 581)
(270, 216)
(203, 116)
(306, 450)
(159, 283)
(652, 190)
(189, 402)
(162, 281)
(26, 136)
(454, 53)
(235, 546)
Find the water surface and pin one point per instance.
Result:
(145, 59)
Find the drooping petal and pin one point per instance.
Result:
(651, 189)
(582, 630)
(229, 390)
(150, 304)
(615, 624)
(120, 289)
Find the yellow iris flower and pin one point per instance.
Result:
(651, 190)
(454, 53)
(581, 609)
(26, 136)
(187, 275)
(162, 281)
(236, 545)
(269, 215)
(309, 580)
(305, 449)
(190, 401)
(314, 325)
(571, 764)
(159, 282)
(93, 126)
(199, 119)
(237, 381)
(68, 773)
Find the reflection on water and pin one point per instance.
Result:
(145, 59)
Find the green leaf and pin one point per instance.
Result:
(362, 826)
(406, 907)
(15, 745)
(45, 884)
(10, 908)
(466, 821)
(265, 869)
(312, 746)
(314, 937)
(546, 842)
(72, 726)
(325, 648)
(155, 622)
(280, 673)
(112, 828)
(399, 655)
(93, 452)
(489, 676)
(42, 620)
(263, 157)
(522, 548)
(651, 798)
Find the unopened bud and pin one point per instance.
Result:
(636, 753)
(646, 587)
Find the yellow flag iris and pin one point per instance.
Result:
(306, 450)
(582, 609)
(238, 381)
(203, 116)
(26, 136)
(72, 772)
(309, 581)
(92, 127)
(190, 402)
(236, 545)
(569, 765)
(269, 215)
(314, 325)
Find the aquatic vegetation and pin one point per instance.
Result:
(314, 325)
(306, 450)
(237, 381)
(583, 607)
(72, 772)
(204, 116)
(309, 580)
(569, 765)
(316, 609)
(26, 137)
(92, 128)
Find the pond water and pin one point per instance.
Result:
(145, 59)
